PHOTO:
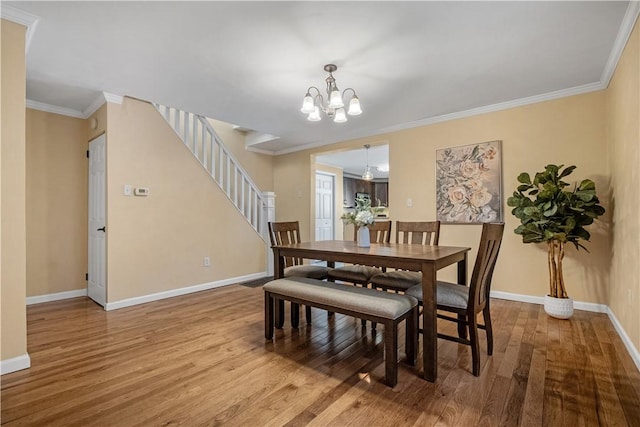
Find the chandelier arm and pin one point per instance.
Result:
(351, 89)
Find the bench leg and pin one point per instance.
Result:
(391, 353)
(307, 313)
(411, 337)
(279, 312)
(268, 316)
(295, 315)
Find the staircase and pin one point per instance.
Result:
(201, 139)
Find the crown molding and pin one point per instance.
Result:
(577, 90)
(626, 28)
(21, 17)
(70, 112)
(99, 101)
(41, 106)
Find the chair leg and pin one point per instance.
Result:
(279, 313)
(475, 345)
(411, 337)
(268, 316)
(486, 313)
(363, 323)
(391, 353)
(295, 315)
(462, 326)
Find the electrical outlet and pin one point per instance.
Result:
(206, 262)
(409, 203)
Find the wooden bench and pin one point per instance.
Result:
(363, 303)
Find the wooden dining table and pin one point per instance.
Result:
(424, 258)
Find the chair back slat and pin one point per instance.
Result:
(418, 232)
(379, 232)
(480, 285)
(285, 233)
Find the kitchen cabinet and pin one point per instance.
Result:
(378, 191)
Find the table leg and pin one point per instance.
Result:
(429, 323)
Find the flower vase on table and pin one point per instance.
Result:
(363, 216)
(364, 238)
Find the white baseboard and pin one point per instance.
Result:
(586, 306)
(57, 296)
(15, 364)
(633, 352)
(578, 305)
(182, 291)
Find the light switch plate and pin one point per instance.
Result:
(128, 190)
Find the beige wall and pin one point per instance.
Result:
(157, 243)
(259, 166)
(623, 118)
(569, 130)
(96, 125)
(56, 167)
(12, 192)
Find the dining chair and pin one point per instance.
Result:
(468, 302)
(380, 232)
(415, 233)
(284, 233)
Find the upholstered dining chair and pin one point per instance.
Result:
(468, 302)
(380, 232)
(416, 233)
(284, 233)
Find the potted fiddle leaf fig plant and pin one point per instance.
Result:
(552, 214)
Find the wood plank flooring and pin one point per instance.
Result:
(202, 359)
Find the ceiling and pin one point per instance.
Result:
(250, 63)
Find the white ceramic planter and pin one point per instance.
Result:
(560, 308)
(364, 238)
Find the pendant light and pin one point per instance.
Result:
(367, 175)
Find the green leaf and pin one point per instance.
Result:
(524, 178)
(567, 171)
(587, 184)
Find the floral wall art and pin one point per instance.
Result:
(469, 183)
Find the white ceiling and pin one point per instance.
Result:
(250, 63)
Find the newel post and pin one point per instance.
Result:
(269, 198)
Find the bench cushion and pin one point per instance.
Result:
(361, 300)
(354, 273)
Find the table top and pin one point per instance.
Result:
(400, 255)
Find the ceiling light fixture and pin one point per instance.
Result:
(334, 108)
(367, 175)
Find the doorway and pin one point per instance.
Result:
(325, 212)
(97, 256)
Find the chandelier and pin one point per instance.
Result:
(334, 108)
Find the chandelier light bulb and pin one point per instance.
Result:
(335, 99)
(315, 115)
(340, 117)
(367, 175)
(354, 107)
(307, 104)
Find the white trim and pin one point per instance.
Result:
(578, 305)
(112, 98)
(21, 17)
(563, 93)
(260, 151)
(41, 106)
(633, 352)
(39, 299)
(182, 291)
(626, 27)
(15, 364)
(102, 98)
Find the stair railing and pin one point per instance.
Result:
(201, 139)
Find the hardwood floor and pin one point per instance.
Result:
(202, 359)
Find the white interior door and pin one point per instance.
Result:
(324, 206)
(97, 281)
